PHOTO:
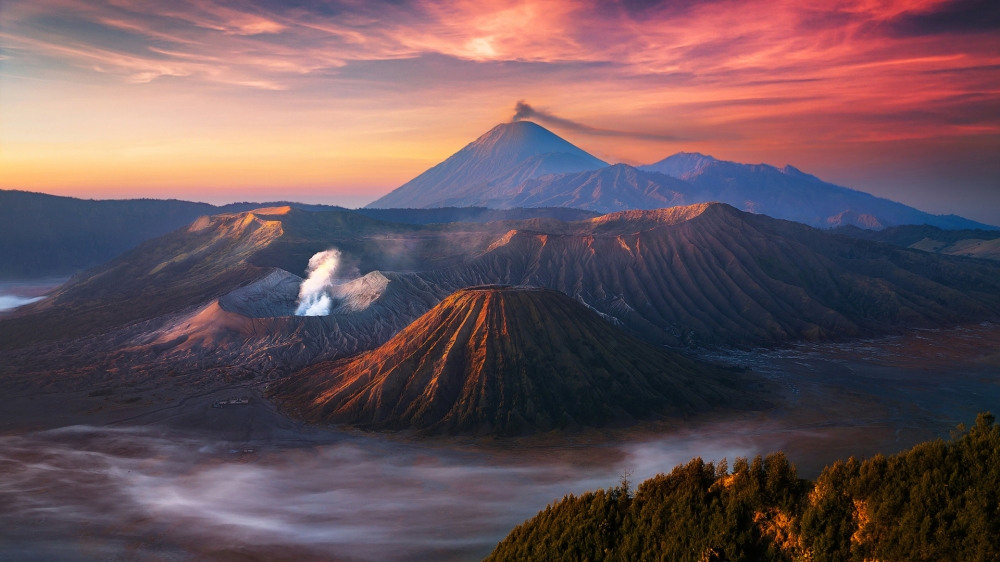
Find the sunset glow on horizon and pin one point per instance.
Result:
(341, 102)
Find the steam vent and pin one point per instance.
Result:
(505, 360)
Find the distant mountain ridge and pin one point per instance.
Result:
(789, 193)
(524, 165)
(45, 235)
(983, 244)
(680, 164)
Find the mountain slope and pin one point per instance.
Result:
(221, 293)
(614, 188)
(851, 218)
(48, 236)
(180, 269)
(216, 255)
(680, 164)
(44, 235)
(505, 360)
(713, 274)
(983, 244)
(442, 215)
(507, 155)
(788, 193)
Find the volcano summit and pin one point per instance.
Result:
(488, 167)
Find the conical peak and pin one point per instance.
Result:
(690, 157)
(472, 365)
(489, 296)
(619, 168)
(524, 138)
(693, 155)
(682, 163)
(517, 130)
(524, 128)
(507, 155)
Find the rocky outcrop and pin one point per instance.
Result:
(273, 295)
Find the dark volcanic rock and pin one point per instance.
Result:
(505, 360)
(710, 274)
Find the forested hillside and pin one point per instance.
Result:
(937, 501)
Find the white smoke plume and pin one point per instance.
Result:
(316, 292)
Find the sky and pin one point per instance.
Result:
(340, 102)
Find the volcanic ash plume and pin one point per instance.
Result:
(316, 292)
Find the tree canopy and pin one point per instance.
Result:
(939, 500)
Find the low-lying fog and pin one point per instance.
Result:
(86, 493)
(8, 302)
(19, 293)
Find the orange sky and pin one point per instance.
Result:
(341, 102)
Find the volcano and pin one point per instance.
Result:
(507, 155)
(616, 188)
(506, 360)
(522, 164)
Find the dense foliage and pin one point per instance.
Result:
(937, 501)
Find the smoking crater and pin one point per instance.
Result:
(317, 291)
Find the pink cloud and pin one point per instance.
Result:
(757, 77)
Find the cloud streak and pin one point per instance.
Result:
(416, 79)
(524, 111)
(950, 17)
(704, 40)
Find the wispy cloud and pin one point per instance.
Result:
(950, 17)
(758, 75)
(524, 111)
(716, 47)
